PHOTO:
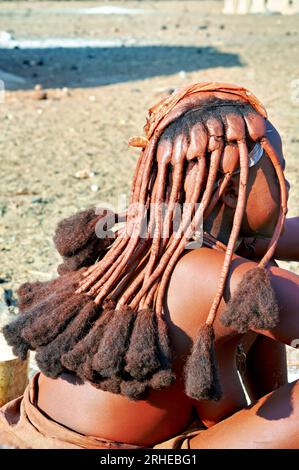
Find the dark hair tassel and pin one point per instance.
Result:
(164, 377)
(55, 318)
(28, 293)
(201, 372)
(134, 389)
(48, 357)
(31, 294)
(93, 251)
(254, 303)
(111, 385)
(75, 232)
(142, 357)
(79, 358)
(13, 333)
(109, 358)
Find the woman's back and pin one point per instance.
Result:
(165, 413)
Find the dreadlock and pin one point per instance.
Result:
(103, 317)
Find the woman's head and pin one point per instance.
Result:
(263, 199)
(192, 135)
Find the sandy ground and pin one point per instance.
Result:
(97, 98)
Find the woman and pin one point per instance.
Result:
(136, 346)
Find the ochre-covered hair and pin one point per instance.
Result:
(103, 317)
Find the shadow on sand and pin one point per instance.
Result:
(93, 66)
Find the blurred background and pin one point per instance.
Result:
(77, 80)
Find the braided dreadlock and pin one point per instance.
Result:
(106, 322)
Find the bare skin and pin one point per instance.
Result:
(273, 421)
(287, 249)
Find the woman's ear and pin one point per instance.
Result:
(230, 194)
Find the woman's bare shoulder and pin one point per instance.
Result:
(195, 281)
(192, 289)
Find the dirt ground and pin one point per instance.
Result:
(69, 151)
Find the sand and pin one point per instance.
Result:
(69, 151)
